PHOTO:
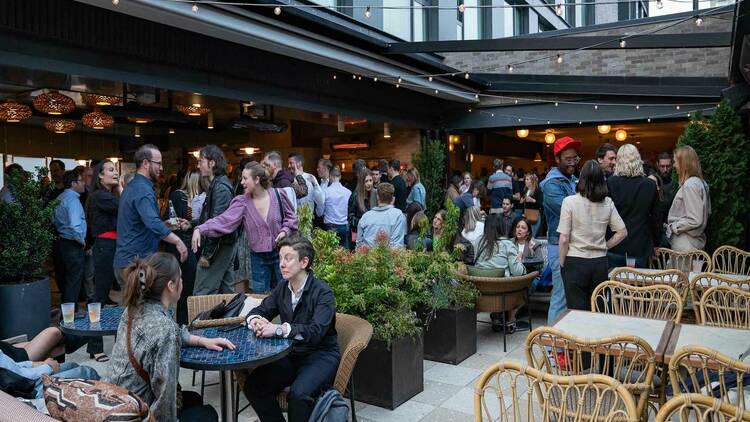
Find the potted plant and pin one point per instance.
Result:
(376, 284)
(25, 241)
(448, 314)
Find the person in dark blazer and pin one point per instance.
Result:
(306, 308)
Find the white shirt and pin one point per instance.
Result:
(315, 194)
(285, 327)
(336, 210)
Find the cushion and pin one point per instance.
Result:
(485, 272)
(92, 401)
(250, 304)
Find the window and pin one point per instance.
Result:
(570, 13)
(544, 25)
(520, 20)
(471, 24)
(397, 22)
(588, 15)
(419, 22)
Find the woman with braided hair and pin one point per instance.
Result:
(146, 355)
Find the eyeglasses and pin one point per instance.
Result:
(571, 160)
(158, 163)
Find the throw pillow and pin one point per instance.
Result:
(485, 272)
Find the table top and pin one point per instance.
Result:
(712, 282)
(250, 352)
(728, 341)
(640, 270)
(597, 325)
(82, 326)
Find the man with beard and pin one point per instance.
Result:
(606, 155)
(559, 183)
(139, 226)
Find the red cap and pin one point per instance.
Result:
(566, 143)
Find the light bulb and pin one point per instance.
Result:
(558, 9)
(555, 103)
(648, 120)
(354, 76)
(698, 21)
(195, 7)
(492, 114)
(476, 96)
(375, 79)
(368, 13)
(637, 107)
(461, 8)
(510, 68)
(397, 85)
(596, 107)
(623, 43)
(580, 122)
(678, 107)
(659, 4)
(548, 121)
(519, 120)
(334, 77)
(466, 75)
(115, 2)
(430, 79)
(559, 58)
(469, 110)
(399, 79)
(437, 92)
(515, 101)
(277, 10)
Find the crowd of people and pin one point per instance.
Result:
(218, 235)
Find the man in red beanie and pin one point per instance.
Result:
(559, 183)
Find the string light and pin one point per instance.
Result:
(559, 58)
(466, 75)
(659, 4)
(115, 2)
(368, 12)
(195, 10)
(555, 103)
(375, 79)
(558, 9)
(637, 107)
(334, 77)
(698, 21)
(277, 10)
(622, 43)
(510, 68)
(462, 8)
(430, 79)
(596, 107)
(399, 79)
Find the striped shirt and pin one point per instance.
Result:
(500, 186)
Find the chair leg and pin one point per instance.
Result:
(194, 372)
(505, 326)
(203, 382)
(351, 397)
(529, 309)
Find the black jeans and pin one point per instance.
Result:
(188, 280)
(104, 273)
(580, 278)
(307, 376)
(193, 409)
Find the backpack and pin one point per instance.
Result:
(330, 407)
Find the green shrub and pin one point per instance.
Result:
(430, 161)
(26, 234)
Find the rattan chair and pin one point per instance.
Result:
(668, 259)
(635, 277)
(658, 301)
(629, 359)
(700, 284)
(724, 306)
(506, 392)
(500, 294)
(730, 260)
(694, 368)
(700, 408)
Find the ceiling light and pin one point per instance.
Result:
(549, 137)
(522, 133)
(386, 130)
(604, 129)
(114, 160)
(60, 125)
(115, 2)
(621, 135)
(210, 124)
(97, 120)
(54, 103)
(430, 79)
(250, 150)
(340, 125)
(137, 131)
(537, 157)
(510, 68)
(196, 153)
(171, 131)
(100, 100)
(140, 120)
(195, 7)
(13, 112)
(466, 75)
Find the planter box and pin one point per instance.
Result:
(389, 377)
(24, 308)
(451, 336)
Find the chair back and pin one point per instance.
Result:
(505, 393)
(730, 260)
(658, 301)
(354, 335)
(698, 369)
(638, 277)
(628, 359)
(700, 408)
(700, 284)
(667, 259)
(724, 306)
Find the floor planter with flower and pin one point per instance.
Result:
(25, 242)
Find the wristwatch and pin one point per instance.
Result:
(279, 331)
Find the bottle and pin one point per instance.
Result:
(172, 214)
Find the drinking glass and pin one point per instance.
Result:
(698, 265)
(630, 262)
(68, 312)
(95, 312)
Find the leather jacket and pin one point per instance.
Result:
(219, 195)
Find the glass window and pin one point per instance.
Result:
(520, 20)
(397, 22)
(471, 21)
(330, 3)
(419, 22)
(588, 13)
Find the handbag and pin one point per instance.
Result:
(223, 310)
(531, 214)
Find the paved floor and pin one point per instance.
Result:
(448, 389)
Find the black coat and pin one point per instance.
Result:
(219, 195)
(313, 322)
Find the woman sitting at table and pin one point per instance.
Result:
(146, 355)
(307, 310)
(494, 252)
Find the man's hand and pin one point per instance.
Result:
(182, 249)
(196, 240)
(53, 364)
(183, 224)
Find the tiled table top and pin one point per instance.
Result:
(728, 341)
(82, 326)
(251, 351)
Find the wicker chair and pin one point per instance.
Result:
(628, 359)
(724, 306)
(694, 367)
(700, 408)
(730, 260)
(576, 398)
(657, 301)
(668, 259)
(635, 277)
(500, 294)
(700, 284)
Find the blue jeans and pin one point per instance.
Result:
(618, 260)
(557, 303)
(535, 227)
(342, 231)
(265, 270)
(67, 370)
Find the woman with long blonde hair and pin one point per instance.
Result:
(688, 216)
(636, 199)
(532, 201)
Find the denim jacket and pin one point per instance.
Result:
(555, 188)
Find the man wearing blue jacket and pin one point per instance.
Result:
(559, 183)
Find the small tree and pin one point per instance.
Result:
(430, 161)
(722, 148)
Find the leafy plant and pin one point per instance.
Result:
(305, 217)
(26, 235)
(430, 161)
(722, 148)
(444, 242)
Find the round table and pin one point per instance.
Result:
(81, 326)
(250, 352)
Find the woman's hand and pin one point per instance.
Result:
(218, 344)
(196, 240)
(280, 236)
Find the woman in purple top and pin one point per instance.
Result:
(267, 217)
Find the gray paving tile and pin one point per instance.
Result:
(435, 393)
(446, 415)
(410, 411)
(450, 374)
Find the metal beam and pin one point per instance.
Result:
(690, 40)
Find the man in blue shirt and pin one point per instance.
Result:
(70, 222)
(336, 211)
(139, 226)
(559, 183)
